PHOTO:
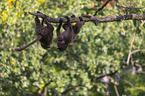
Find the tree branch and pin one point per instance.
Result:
(129, 55)
(110, 18)
(102, 7)
(105, 74)
(125, 7)
(116, 90)
(45, 86)
(71, 88)
(137, 51)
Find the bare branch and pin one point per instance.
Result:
(141, 72)
(128, 82)
(129, 55)
(44, 90)
(116, 91)
(110, 74)
(71, 88)
(102, 7)
(45, 86)
(110, 18)
(105, 74)
(137, 51)
(125, 7)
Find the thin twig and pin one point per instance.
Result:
(45, 86)
(143, 22)
(109, 74)
(71, 88)
(102, 7)
(125, 7)
(128, 82)
(137, 51)
(125, 81)
(140, 88)
(141, 72)
(129, 55)
(105, 74)
(116, 91)
(132, 61)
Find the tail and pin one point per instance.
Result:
(24, 47)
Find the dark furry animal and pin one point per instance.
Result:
(44, 34)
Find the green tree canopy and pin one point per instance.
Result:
(107, 59)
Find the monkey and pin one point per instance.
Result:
(77, 27)
(70, 33)
(44, 34)
(64, 39)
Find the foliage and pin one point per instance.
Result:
(97, 50)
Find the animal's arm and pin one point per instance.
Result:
(70, 32)
(78, 27)
(49, 25)
(59, 36)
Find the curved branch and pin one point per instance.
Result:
(110, 18)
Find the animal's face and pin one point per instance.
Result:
(44, 31)
(61, 45)
(41, 31)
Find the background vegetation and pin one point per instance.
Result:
(97, 50)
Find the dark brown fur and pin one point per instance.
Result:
(44, 34)
(69, 34)
(77, 27)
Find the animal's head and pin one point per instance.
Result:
(61, 45)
